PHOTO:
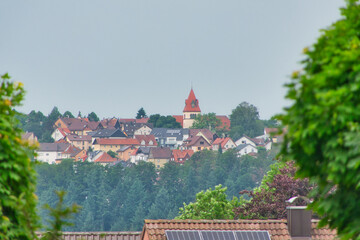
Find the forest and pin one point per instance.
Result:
(120, 197)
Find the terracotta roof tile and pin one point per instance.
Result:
(156, 228)
(179, 119)
(277, 228)
(225, 122)
(147, 139)
(191, 103)
(105, 158)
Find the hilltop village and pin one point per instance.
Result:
(115, 140)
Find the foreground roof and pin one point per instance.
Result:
(155, 229)
(99, 235)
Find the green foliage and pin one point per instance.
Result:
(93, 117)
(112, 153)
(159, 121)
(141, 114)
(212, 204)
(209, 121)
(68, 114)
(324, 122)
(60, 216)
(245, 120)
(18, 219)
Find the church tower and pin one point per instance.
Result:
(191, 110)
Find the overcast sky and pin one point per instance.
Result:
(113, 57)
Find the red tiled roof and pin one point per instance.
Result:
(64, 131)
(142, 120)
(156, 228)
(191, 103)
(147, 139)
(221, 141)
(160, 153)
(62, 141)
(107, 141)
(181, 154)
(105, 158)
(98, 235)
(278, 230)
(179, 119)
(109, 123)
(206, 132)
(127, 120)
(225, 122)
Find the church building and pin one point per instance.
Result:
(191, 110)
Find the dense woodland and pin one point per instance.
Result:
(119, 198)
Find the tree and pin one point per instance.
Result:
(93, 117)
(68, 114)
(209, 121)
(269, 200)
(60, 217)
(323, 122)
(245, 120)
(159, 121)
(141, 114)
(112, 154)
(17, 178)
(211, 204)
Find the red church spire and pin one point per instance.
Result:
(191, 103)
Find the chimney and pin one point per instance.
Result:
(299, 222)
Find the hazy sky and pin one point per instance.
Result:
(113, 57)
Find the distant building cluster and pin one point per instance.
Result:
(111, 141)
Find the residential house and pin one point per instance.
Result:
(140, 154)
(172, 138)
(81, 142)
(206, 133)
(197, 143)
(111, 123)
(256, 142)
(146, 140)
(181, 156)
(224, 143)
(78, 126)
(113, 133)
(244, 149)
(159, 156)
(72, 152)
(50, 152)
(273, 134)
(129, 127)
(60, 133)
(107, 144)
(30, 138)
(124, 153)
(276, 229)
(104, 159)
(143, 130)
(245, 140)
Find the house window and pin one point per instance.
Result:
(201, 142)
(199, 148)
(47, 154)
(158, 160)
